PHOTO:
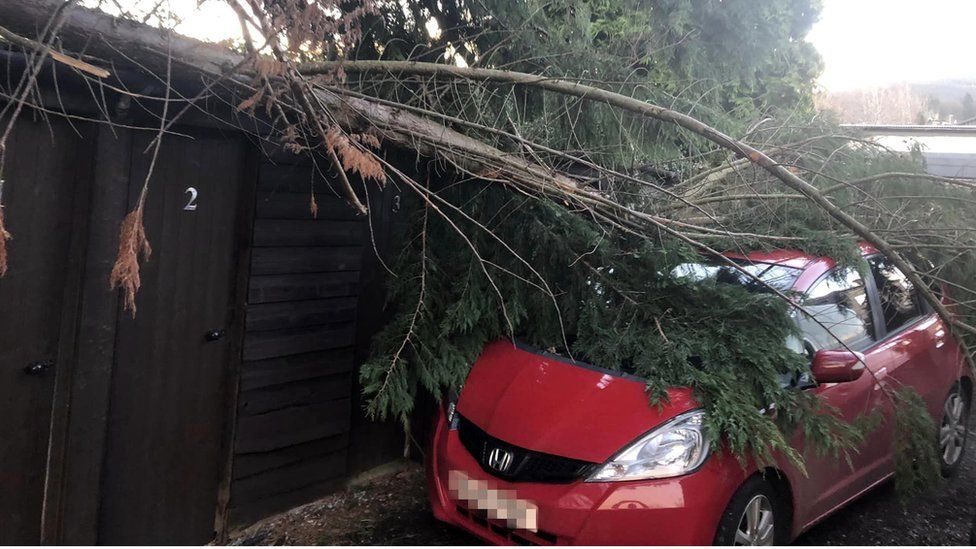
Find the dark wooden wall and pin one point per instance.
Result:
(167, 412)
(37, 297)
(296, 405)
(311, 294)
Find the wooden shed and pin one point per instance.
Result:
(232, 393)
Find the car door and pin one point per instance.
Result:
(838, 314)
(908, 354)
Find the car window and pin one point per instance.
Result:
(779, 277)
(899, 304)
(839, 313)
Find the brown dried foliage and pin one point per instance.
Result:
(249, 103)
(323, 28)
(354, 158)
(268, 67)
(132, 243)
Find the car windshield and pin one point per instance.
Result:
(776, 276)
(779, 277)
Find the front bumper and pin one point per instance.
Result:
(678, 511)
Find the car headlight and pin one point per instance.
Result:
(675, 448)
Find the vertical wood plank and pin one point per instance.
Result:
(89, 393)
(163, 451)
(70, 318)
(372, 442)
(244, 237)
(39, 204)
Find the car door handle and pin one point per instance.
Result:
(215, 334)
(881, 378)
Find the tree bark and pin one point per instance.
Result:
(102, 36)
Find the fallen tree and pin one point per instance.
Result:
(632, 220)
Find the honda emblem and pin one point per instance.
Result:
(500, 460)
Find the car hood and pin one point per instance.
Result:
(554, 405)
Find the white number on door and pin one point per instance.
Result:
(191, 205)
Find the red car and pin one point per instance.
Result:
(539, 449)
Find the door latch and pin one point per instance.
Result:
(38, 368)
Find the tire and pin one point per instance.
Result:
(754, 494)
(953, 430)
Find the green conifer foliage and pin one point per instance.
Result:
(483, 261)
(606, 298)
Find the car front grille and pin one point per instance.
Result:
(523, 465)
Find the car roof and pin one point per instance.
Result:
(813, 266)
(791, 258)
(788, 258)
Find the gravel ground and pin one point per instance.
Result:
(389, 510)
(392, 510)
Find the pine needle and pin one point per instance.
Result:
(916, 453)
(132, 242)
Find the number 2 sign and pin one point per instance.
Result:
(191, 205)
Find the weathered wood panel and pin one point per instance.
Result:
(263, 373)
(295, 287)
(300, 314)
(304, 232)
(375, 442)
(284, 177)
(285, 205)
(269, 344)
(294, 407)
(291, 426)
(72, 513)
(163, 452)
(43, 170)
(289, 478)
(297, 393)
(259, 462)
(265, 261)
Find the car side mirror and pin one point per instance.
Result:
(837, 366)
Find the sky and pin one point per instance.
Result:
(867, 43)
(864, 43)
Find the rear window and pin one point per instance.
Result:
(779, 277)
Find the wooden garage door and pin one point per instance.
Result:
(45, 171)
(166, 418)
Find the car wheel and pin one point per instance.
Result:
(755, 516)
(953, 430)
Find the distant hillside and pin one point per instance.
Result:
(949, 101)
(950, 98)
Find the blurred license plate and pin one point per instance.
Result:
(497, 504)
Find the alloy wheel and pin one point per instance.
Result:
(952, 433)
(756, 526)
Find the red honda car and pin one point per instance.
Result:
(540, 449)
